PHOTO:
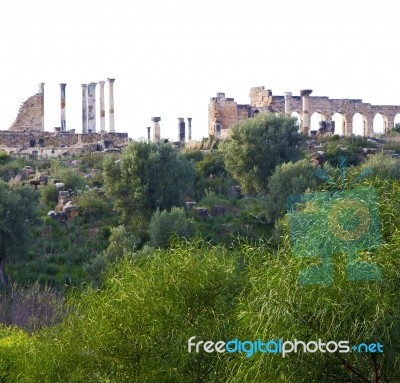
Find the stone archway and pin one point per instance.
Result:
(360, 124)
(380, 124)
(340, 123)
(316, 118)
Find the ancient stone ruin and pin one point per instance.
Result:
(27, 137)
(223, 112)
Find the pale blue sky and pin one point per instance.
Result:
(170, 57)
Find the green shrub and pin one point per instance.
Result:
(288, 179)
(92, 206)
(383, 166)
(165, 224)
(49, 195)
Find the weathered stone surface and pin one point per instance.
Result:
(30, 115)
(57, 144)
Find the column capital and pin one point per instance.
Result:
(181, 119)
(93, 84)
(101, 83)
(156, 119)
(287, 94)
(305, 92)
(63, 85)
(111, 80)
(84, 86)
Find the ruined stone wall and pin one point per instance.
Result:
(30, 114)
(225, 112)
(26, 139)
(262, 100)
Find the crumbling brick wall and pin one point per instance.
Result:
(30, 114)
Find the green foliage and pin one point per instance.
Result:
(357, 311)
(349, 147)
(4, 157)
(92, 205)
(396, 127)
(392, 145)
(49, 195)
(17, 213)
(148, 176)
(212, 164)
(70, 178)
(165, 224)
(14, 343)
(288, 179)
(137, 328)
(257, 145)
(121, 242)
(383, 166)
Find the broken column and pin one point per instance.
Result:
(63, 121)
(181, 129)
(84, 108)
(189, 128)
(306, 123)
(156, 128)
(288, 102)
(111, 127)
(102, 108)
(41, 91)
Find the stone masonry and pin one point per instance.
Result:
(223, 112)
(30, 114)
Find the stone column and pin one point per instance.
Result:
(189, 128)
(111, 127)
(148, 133)
(102, 108)
(94, 84)
(84, 108)
(305, 96)
(62, 104)
(181, 129)
(90, 108)
(156, 128)
(41, 91)
(288, 102)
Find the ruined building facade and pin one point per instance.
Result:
(223, 112)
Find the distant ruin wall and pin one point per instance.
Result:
(223, 112)
(29, 139)
(30, 114)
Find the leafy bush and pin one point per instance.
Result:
(165, 224)
(257, 145)
(137, 328)
(49, 195)
(93, 206)
(383, 166)
(288, 179)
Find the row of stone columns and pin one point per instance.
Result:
(89, 106)
(181, 129)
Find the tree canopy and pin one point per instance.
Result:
(17, 210)
(257, 145)
(148, 176)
